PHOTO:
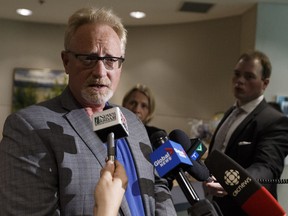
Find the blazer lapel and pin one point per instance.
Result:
(241, 127)
(82, 125)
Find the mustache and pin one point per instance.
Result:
(98, 82)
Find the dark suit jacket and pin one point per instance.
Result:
(265, 132)
(50, 162)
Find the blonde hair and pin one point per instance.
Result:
(94, 15)
(148, 93)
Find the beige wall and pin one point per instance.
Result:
(187, 66)
(248, 29)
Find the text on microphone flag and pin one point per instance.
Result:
(168, 156)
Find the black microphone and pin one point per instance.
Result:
(158, 138)
(198, 171)
(197, 149)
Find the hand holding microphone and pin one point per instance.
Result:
(214, 188)
(251, 196)
(198, 207)
(110, 189)
(178, 137)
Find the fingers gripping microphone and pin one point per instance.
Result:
(110, 125)
(253, 198)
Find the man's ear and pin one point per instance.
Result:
(65, 59)
(266, 82)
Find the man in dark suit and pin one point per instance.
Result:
(50, 157)
(257, 138)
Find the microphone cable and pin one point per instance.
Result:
(273, 181)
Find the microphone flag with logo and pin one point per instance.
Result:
(250, 195)
(168, 156)
(110, 120)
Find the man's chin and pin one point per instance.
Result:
(97, 99)
(239, 95)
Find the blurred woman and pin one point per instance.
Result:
(140, 101)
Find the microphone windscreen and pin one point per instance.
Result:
(198, 170)
(251, 196)
(158, 138)
(181, 137)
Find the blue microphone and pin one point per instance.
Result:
(169, 156)
(170, 160)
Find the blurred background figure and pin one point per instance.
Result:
(251, 132)
(140, 101)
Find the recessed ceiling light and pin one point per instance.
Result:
(24, 12)
(137, 14)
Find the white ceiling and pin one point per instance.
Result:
(158, 11)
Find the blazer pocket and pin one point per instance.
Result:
(242, 143)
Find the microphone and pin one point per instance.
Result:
(170, 159)
(201, 207)
(253, 198)
(197, 149)
(198, 171)
(158, 138)
(110, 120)
(108, 125)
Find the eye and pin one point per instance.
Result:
(249, 76)
(111, 59)
(236, 74)
(133, 103)
(86, 59)
(144, 106)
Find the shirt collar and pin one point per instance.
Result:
(250, 106)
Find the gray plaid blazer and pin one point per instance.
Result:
(50, 161)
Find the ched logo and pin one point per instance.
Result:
(232, 177)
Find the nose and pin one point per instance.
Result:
(99, 69)
(238, 79)
(136, 108)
